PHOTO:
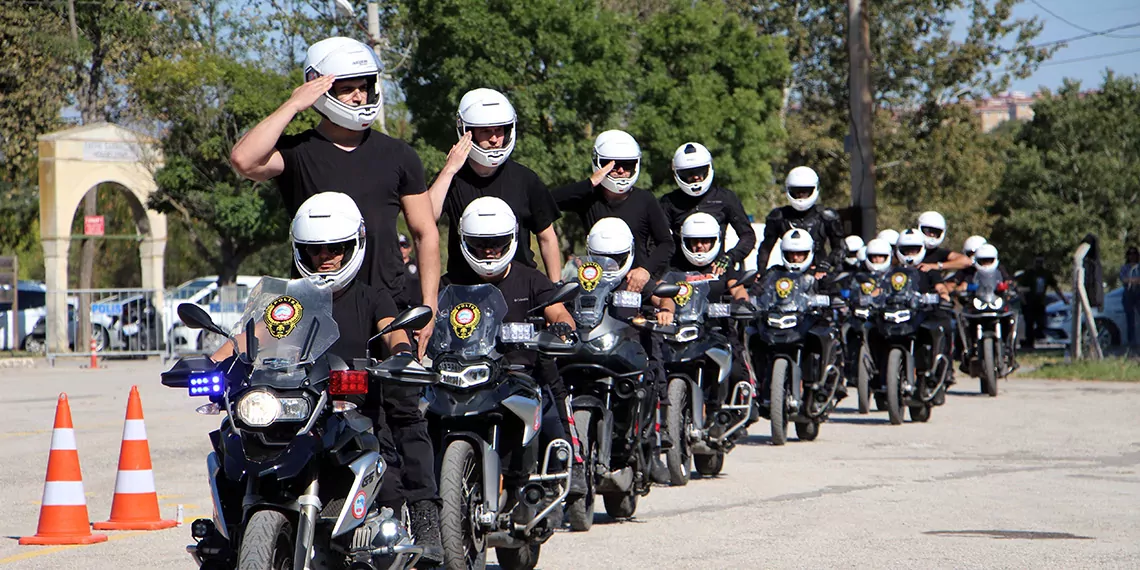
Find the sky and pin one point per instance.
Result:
(1092, 53)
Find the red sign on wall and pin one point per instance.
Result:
(92, 225)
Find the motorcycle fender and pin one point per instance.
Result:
(697, 399)
(723, 359)
(213, 468)
(587, 402)
(492, 471)
(368, 471)
(605, 437)
(529, 410)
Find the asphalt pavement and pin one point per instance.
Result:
(1046, 475)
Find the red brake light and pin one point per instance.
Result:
(348, 382)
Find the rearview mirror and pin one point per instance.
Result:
(747, 279)
(561, 295)
(196, 317)
(666, 290)
(414, 318)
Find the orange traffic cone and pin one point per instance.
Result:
(63, 513)
(135, 506)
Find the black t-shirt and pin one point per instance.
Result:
(823, 224)
(640, 210)
(375, 174)
(524, 288)
(718, 288)
(516, 185)
(1037, 283)
(356, 310)
(720, 203)
(936, 255)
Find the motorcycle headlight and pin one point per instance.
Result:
(467, 376)
(782, 321)
(604, 343)
(261, 408)
(862, 313)
(997, 303)
(686, 334)
(897, 316)
(979, 304)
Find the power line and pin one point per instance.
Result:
(1090, 57)
(1077, 26)
(1088, 35)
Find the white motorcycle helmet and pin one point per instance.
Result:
(488, 224)
(890, 236)
(797, 241)
(932, 222)
(911, 247)
(700, 226)
(487, 108)
(611, 237)
(851, 246)
(692, 159)
(802, 188)
(986, 257)
(861, 255)
(972, 244)
(345, 58)
(621, 148)
(329, 220)
(878, 248)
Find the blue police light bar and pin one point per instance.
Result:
(212, 384)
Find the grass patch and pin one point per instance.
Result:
(1113, 368)
(18, 354)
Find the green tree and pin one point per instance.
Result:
(1075, 170)
(705, 75)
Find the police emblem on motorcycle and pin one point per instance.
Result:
(589, 274)
(282, 316)
(464, 319)
(358, 507)
(784, 287)
(684, 295)
(867, 287)
(898, 281)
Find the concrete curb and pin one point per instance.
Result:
(25, 362)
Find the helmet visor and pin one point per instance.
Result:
(700, 244)
(986, 262)
(619, 258)
(796, 256)
(800, 192)
(488, 248)
(316, 256)
(346, 91)
(910, 250)
(627, 166)
(877, 258)
(931, 232)
(693, 175)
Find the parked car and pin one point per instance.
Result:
(33, 312)
(224, 305)
(1110, 322)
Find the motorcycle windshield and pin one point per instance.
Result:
(292, 325)
(986, 282)
(468, 322)
(784, 292)
(693, 300)
(899, 288)
(595, 288)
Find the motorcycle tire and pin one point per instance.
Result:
(460, 549)
(777, 406)
(267, 543)
(920, 413)
(580, 511)
(989, 371)
(678, 419)
(709, 465)
(620, 505)
(896, 369)
(863, 380)
(524, 558)
(880, 402)
(807, 431)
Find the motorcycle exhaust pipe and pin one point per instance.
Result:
(532, 494)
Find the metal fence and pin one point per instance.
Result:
(224, 305)
(122, 323)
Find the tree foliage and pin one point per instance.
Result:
(1075, 170)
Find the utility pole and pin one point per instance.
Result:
(377, 47)
(90, 208)
(861, 109)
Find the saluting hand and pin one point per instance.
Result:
(600, 174)
(304, 96)
(457, 156)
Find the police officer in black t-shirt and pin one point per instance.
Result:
(932, 225)
(383, 176)
(480, 165)
(910, 251)
(822, 224)
(609, 193)
(693, 172)
(488, 232)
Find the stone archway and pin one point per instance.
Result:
(74, 161)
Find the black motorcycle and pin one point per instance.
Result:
(612, 404)
(707, 413)
(987, 326)
(858, 367)
(797, 344)
(296, 468)
(910, 365)
(483, 411)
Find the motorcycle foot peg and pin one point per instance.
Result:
(531, 494)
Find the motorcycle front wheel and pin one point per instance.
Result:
(896, 371)
(863, 380)
(267, 543)
(461, 491)
(678, 420)
(580, 511)
(989, 371)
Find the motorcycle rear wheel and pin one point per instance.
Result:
(989, 371)
(679, 418)
(619, 505)
(524, 558)
(267, 543)
(896, 368)
(709, 465)
(778, 402)
(920, 413)
(580, 511)
(807, 431)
